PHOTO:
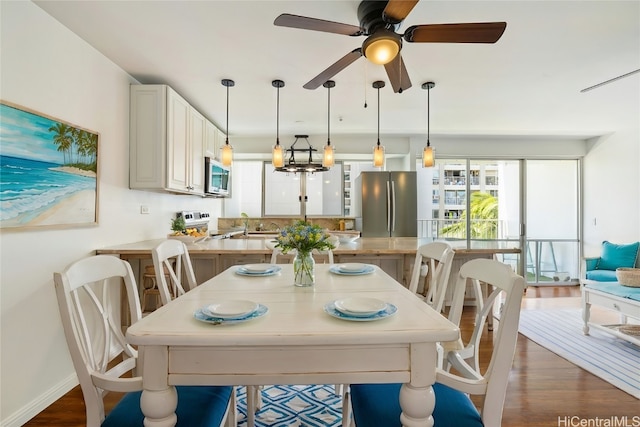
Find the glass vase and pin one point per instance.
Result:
(304, 269)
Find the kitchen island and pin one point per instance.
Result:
(394, 255)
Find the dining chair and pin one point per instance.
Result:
(378, 404)
(169, 259)
(88, 293)
(437, 258)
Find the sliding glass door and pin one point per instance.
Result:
(526, 204)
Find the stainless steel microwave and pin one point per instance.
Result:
(217, 178)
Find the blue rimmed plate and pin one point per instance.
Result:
(389, 310)
(230, 309)
(203, 317)
(252, 270)
(339, 269)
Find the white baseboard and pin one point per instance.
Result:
(40, 403)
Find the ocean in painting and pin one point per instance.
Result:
(30, 187)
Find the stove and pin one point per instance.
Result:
(195, 219)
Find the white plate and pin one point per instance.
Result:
(274, 270)
(360, 306)
(368, 269)
(330, 309)
(352, 267)
(204, 317)
(258, 268)
(230, 309)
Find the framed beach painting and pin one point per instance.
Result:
(48, 171)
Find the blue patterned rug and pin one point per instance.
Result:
(294, 406)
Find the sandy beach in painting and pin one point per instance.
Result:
(77, 209)
(75, 171)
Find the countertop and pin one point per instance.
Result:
(362, 246)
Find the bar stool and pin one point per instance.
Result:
(150, 287)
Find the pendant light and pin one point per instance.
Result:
(227, 150)
(328, 159)
(378, 150)
(428, 156)
(277, 156)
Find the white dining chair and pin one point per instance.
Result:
(88, 297)
(171, 260)
(378, 404)
(436, 258)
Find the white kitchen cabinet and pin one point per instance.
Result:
(166, 141)
(214, 138)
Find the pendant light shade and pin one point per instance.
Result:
(227, 150)
(328, 158)
(277, 155)
(428, 156)
(378, 150)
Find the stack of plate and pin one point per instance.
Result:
(258, 269)
(231, 311)
(360, 309)
(352, 268)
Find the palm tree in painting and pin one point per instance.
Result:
(63, 138)
(87, 145)
(483, 222)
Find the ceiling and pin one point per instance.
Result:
(528, 83)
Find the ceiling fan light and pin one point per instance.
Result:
(428, 157)
(381, 47)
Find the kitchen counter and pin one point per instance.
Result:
(363, 245)
(396, 255)
(258, 246)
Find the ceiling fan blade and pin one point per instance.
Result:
(305, 23)
(398, 75)
(396, 10)
(334, 69)
(481, 32)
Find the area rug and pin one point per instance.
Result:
(614, 360)
(294, 406)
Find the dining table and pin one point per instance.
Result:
(291, 335)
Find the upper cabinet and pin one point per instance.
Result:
(168, 141)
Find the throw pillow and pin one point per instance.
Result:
(617, 256)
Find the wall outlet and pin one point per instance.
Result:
(144, 209)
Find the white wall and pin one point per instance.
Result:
(612, 190)
(48, 69)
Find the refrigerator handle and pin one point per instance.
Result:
(388, 208)
(393, 206)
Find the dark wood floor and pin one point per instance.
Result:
(544, 389)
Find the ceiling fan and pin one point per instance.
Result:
(379, 21)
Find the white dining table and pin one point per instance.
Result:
(295, 342)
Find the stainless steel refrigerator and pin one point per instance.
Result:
(386, 204)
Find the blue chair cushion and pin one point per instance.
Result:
(378, 405)
(602, 275)
(617, 256)
(198, 406)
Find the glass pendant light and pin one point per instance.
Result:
(378, 150)
(328, 158)
(227, 150)
(428, 156)
(277, 155)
